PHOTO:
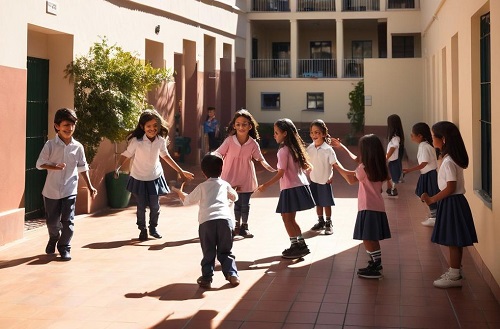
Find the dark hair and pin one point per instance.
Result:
(294, 142)
(324, 129)
(148, 115)
(211, 165)
(247, 115)
(210, 108)
(422, 129)
(453, 143)
(65, 114)
(395, 128)
(373, 158)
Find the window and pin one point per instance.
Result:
(485, 62)
(315, 101)
(361, 49)
(403, 46)
(321, 49)
(398, 4)
(270, 101)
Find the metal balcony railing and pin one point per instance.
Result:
(316, 68)
(316, 5)
(353, 68)
(360, 5)
(270, 5)
(403, 4)
(270, 68)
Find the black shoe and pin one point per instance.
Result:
(296, 250)
(51, 246)
(65, 255)
(244, 232)
(371, 273)
(204, 283)
(392, 192)
(319, 225)
(143, 236)
(328, 227)
(154, 233)
(237, 229)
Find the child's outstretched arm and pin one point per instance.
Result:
(92, 189)
(420, 166)
(267, 166)
(451, 186)
(120, 163)
(186, 174)
(179, 193)
(334, 142)
(270, 182)
(349, 175)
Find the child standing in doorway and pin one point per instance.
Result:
(371, 222)
(63, 158)
(147, 143)
(239, 150)
(323, 158)
(211, 128)
(427, 164)
(215, 218)
(295, 194)
(395, 152)
(454, 223)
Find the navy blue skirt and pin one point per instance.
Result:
(153, 187)
(454, 224)
(322, 194)
(395, 170)
(371, 225)
(295, 199)
(427, 183)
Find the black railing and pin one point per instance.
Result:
(270, 5)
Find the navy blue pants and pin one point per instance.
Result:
(60, 220)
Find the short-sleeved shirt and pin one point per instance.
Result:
(238, 168)
(210, 126)
(322, 159)
(146, 165)
(294, 175)
(394, 142)
(213, 200)
(449, 171)
(427, 153)
(369, 193)
(62, 183)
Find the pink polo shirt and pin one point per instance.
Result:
(294, 175)
(369, 193)
(238, 168)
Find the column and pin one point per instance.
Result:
(249, 51)
(340, 48)
(294, 41)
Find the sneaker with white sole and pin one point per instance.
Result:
(448, 280)
(429, 221)
(328, 227)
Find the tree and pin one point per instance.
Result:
(356, 114)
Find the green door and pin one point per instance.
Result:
(36, 134)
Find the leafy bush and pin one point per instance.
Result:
(356, 114)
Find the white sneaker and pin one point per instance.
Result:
(447, 280)
(429, 221)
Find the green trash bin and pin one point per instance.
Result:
(182, 146)
(118, 196)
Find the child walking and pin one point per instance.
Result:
(371, 222)
(211, 128)
(323, 158)
(239, 150)
(63, 158)
(147, 143)
(395, 152)
(454, 223)
(295, 194)
(427, 164)
(215, 218)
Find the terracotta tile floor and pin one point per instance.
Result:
(116, 281)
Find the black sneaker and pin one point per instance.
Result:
(65, 255)
(318, 226)
(371, 265)
(371, 273)
(392, 192)
(154, 233)
(51, 246)
(236, 230)
(244, 232)
(328, 227)
(296, 250)
(204, 283)
(143, 236)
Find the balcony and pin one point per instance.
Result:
(306, 68)
(403, 4)
(360, 5)
(353, 68)
(270, 68)
(271, 5)
(316, 5)
(316, 68)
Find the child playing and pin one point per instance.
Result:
(395, 151)
(323, 158)
(371, 222)
(239, 150)
(211, 128)
(147, 143)
(454, 223)
(63, 158)
(295, 194)
(427, 164)
(215, 218)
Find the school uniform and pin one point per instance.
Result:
(427, 181)
(322, 159)
(395, 160)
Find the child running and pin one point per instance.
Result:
(322, 157)
(239, 150)
(215, 218)
(395, 151)
(454, 223)
(427, 164)
(147, 143)
(295, 194)
(371, 222)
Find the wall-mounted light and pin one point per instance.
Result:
(157, 29)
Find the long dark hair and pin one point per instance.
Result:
(395, 128)
(148, 115)
(324, 129)
(294, 142)
(373, 158)
(453, 143)
(254, 133)
(422, 129)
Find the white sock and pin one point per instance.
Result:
(455, 272)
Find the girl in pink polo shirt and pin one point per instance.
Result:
(371, 222)
(239, 150)
(295, 194)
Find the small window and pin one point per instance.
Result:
(270, 101)
(315, 101)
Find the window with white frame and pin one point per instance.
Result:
(315, 101)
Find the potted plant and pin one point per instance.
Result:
(356, 114)
(110, 92)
